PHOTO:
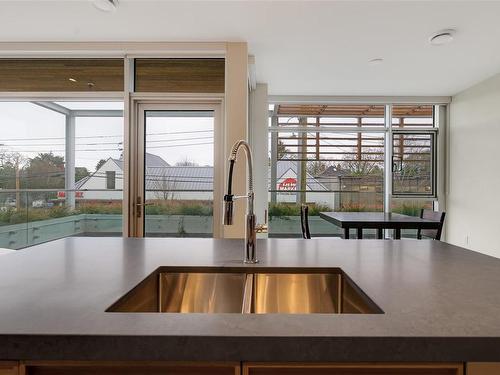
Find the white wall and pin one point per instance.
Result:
(473, 201)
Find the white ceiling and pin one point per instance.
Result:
(300, 47)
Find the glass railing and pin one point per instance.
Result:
(32, 216)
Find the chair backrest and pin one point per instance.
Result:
(304, 221)
(435, 234)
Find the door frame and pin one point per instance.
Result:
(135, 148)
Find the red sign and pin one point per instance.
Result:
(288, 184)
(62, 194)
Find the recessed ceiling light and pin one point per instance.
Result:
(72, 79)
(105, 5)
(442, 37)
(376, 61)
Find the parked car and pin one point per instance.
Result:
(10, 202)
(39, 203)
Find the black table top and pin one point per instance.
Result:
(377, 220)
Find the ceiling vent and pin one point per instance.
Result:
(105, 5)
(442, 37)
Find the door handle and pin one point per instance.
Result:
(139, 206)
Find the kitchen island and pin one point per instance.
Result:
(438, 304)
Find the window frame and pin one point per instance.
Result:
(434, 170)
(439, 123)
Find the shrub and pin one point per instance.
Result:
(292, 209)
(173, 207)
(105, 208)
(411, 208)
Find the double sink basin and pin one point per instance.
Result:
(276, 291)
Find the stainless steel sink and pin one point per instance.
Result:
(296, 293)
(247, 293)
(201, 292)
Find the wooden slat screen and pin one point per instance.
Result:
(180, 75)
(18, 75)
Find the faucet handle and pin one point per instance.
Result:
(261, 228)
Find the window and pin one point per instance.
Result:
(333, 158)
(413, 151)
(179, 173)
(110, 179)
(329, 157)
(60, 170)
(413, 164)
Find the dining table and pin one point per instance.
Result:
(378, 221)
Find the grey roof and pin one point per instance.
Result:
(195, 178)
(80, 183)
(333, 171)
(185, 178)
(155, 161)
(151, 161)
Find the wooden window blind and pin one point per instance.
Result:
(35, 75)
(180, 75)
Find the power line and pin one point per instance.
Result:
(103, 136)
(102, 143)
(115, 149)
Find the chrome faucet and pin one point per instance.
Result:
(229, 198)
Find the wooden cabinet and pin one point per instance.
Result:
(9, 368)
(352, 369)
(129, 368)
(237, 368)
(483, 368)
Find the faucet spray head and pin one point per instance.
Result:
(228, 209)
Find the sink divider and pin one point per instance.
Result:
(246, 307)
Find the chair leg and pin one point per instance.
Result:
(380, 233)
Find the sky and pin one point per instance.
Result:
(30, 129)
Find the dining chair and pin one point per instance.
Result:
(304, 221)
(304, 224)
(435, 234)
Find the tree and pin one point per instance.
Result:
(81, 172)
(369, 164)
(9, 163)
(163, 186)
(45, 171)
(100, 163)
(186, 163)
(282, 150)
(315, 168)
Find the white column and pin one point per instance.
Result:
(388, 159)
(236, 125)
(258, 135)
(69, 166)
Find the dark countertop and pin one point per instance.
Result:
(441, 303)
